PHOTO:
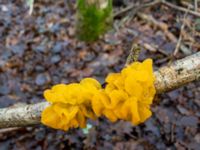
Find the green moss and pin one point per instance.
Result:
(92, 21)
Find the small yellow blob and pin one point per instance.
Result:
(71, 104)
(128, 94)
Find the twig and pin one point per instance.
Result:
(69, 4)
(196, 5)
(154, 48)
(161, 25)
(188, 4)
(181, 8)
(164, 27)
(180, 35)
(178, 42)
(128, 8)
(30, 4)
(136, 8)
(3, 131)
(172, 132)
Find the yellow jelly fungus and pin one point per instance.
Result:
(127, 96)
(70, 104)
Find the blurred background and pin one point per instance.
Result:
(41, 50)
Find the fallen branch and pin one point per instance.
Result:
(167, 78)
(195, 13)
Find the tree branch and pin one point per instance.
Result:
(167, 78)
(178, 74)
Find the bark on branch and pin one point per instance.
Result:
(167, 78)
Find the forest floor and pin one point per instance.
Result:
(41, 50)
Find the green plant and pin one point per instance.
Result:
(94, 18)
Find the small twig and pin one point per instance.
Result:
(69, 4)
(172, 132)
(30, 4)
(154, 48)
(188, 4)
(3, 131)
(163, 26)
(128, 8)
(134, 54)
(181, 8)
(193, 32)
(180, 36)
(196, 5)
(136, 8)
(178, 42)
